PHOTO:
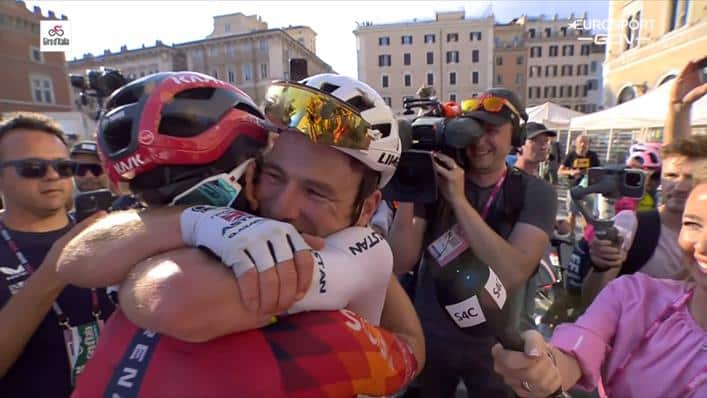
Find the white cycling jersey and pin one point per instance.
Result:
(352, 271)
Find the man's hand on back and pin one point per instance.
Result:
(272, 261)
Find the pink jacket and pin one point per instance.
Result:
(639, 339)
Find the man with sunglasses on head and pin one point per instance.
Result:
(47, 328)
(89, 172)
(506, 218)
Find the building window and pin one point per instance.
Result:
(474, 77)
(453, 97)
(430, 58)
(36, 55)
(552, 68)
(231, 76)
(227, 28)
(536, 52)
(594, 66)
(499, 79)
(564, 31)
(452, 37)
(384, 60)
(548, 32)
(553, 92)
(42, 89)
(452, 57)
(499, 61)
(407, 59)
(568, 91)
(384, 41)
(429, 38)
(405, 39)
(584, 49)
(384, 81)
(530, 92)
(577, 92)
(568, 50)
(593, 84)
(263, 71)
(553, 51)
(475, 36)
(407, 80)
(519, 78)
(546, 91)
(566, 70)
(582, 70)
(562, 92)
(430, 79)
(388, 101)
(475, 56)
(231, 50)
(531, 33)
(213, 51)
(452, 78)
(247, 72)
(263, 44)
(678, 15)
(519, 60)
(585, 90)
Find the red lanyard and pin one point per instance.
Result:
(493, 195)
(672, 309)
(24, 263)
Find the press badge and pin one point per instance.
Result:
(81, 342)
(448, 246)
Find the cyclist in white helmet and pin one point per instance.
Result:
(321, 190)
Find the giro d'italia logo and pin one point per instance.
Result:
(55, 36)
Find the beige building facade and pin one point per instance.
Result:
(649, 43)
(564, 64)
(451, 53)
(510, 64)
(241, 50)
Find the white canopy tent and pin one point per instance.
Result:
(646, 111)
(552, 115)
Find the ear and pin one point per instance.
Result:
(370, 205)
(249, 185)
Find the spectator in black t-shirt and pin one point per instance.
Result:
(36, 306)
(575, 168)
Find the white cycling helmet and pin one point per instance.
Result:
(646, 154)
(384, 151)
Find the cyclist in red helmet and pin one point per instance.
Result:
(176, 138)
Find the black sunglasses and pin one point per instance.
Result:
(37, 168)
(83, 168)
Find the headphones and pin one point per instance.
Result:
(519, 132)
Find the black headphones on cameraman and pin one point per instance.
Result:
(519, 131)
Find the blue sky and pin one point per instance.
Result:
(110, 24)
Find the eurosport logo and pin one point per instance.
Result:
(55, 36)
(623, 31)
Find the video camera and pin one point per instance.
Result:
(613, 182)
(98, 83)
(440, 128)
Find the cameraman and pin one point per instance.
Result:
(507, 218)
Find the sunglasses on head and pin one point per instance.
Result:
(82, 169)
(37, 168)
(323, 118)
(488, 103)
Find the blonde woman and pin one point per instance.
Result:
(642, 337)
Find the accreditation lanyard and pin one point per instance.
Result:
(80, 340)
(452, 243)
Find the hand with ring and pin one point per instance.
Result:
(532, 373)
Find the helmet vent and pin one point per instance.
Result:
(384, 128)
(329, 88)
(360, 103)
(117, 135)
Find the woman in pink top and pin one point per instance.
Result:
(642, 337)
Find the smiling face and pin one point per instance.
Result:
(693, 234)
(489, 153)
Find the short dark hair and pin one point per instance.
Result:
(31, 121)
(691, 147)
(368, 185)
